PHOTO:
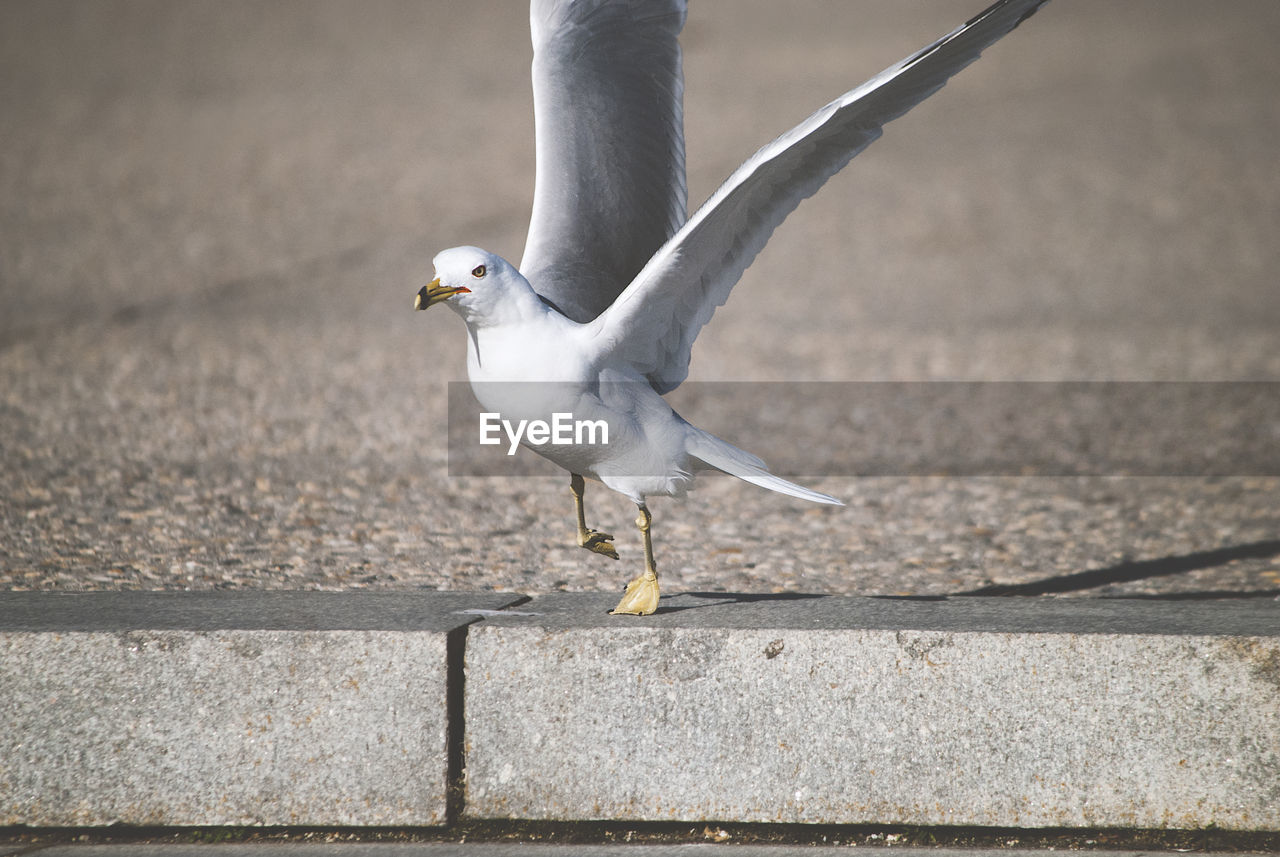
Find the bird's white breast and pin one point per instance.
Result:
(520, 352)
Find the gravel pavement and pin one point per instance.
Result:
(214, 217)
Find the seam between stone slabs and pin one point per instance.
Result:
(456, 716)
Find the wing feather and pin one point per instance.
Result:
(610, 180)
(653, 323)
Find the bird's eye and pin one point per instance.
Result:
(478, 271)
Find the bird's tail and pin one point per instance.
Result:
(723, 455)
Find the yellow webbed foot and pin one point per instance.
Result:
(593, 540)
(598, 542)
(641, 597)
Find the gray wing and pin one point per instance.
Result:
(653, 323)
(610, 185)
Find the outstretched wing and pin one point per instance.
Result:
(653, 323)
(610, 187)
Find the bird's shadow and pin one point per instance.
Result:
(1124, 572)
(720, 599)
(1133, 570)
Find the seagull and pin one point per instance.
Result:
(599, 319)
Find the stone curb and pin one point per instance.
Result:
(224, 709)
(366, 709)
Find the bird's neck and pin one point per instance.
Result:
(519, 305)
(500, 342)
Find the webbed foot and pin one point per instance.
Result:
(641, 597)
(598, 542)
(593, 540)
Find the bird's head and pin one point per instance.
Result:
(473, 282)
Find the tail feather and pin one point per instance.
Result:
(723, 455)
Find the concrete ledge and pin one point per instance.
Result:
(1002, 712)
(263, 708)
(350, 709)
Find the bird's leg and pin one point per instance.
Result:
(589, 539)
(641, 597)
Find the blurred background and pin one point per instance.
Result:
(214, 217)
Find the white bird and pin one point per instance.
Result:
(615, 283)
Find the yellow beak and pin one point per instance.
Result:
(433, 293)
